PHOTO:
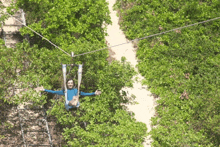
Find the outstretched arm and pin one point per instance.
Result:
(55, 92)
(50, 91)
(97, 92)
(86, 94)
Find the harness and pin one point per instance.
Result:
(64, 66)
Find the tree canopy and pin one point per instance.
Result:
(182, 67)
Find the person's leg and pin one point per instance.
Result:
(66, 106)
(78, 104)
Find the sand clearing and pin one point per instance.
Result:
(145, 109)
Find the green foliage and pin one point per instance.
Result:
(182, 67)
(23, 66)
(64, 22)
(120, 130)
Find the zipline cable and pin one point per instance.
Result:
(137, 39)
(40, 35)
(149, 36)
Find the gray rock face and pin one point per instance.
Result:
(10, 28)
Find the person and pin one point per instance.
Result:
(71, 92)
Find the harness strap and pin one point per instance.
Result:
(64, 79)
(79, 77)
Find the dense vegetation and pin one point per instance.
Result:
(74, 26)
(182, 67)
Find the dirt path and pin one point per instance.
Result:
(145, 109)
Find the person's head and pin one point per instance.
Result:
(69, 83)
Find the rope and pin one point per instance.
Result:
(40, 35)
(149, 36)
(137, 39)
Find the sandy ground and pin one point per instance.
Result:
(145, 109)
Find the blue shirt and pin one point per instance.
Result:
(70, 94)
